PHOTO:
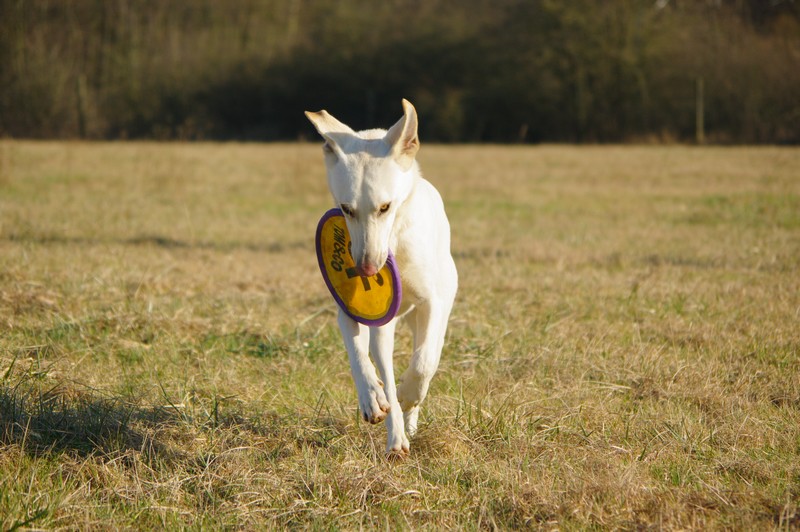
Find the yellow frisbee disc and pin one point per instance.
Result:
(371, 300)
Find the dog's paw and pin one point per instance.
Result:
(397, 449)
(410, 391)
(397, 455)
(372, 403)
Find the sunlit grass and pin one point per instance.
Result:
(623, 352)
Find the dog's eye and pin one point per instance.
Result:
(385, 207)
(347, 210)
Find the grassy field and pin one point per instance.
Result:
(624, 351)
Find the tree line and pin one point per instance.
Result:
(477, 70)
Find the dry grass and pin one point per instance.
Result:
(623, 352)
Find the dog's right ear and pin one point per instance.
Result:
(402, 137)
(328, 127)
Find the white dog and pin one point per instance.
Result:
(376, 182)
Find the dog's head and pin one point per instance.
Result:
(370, 174)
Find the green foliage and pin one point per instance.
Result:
(510, 70)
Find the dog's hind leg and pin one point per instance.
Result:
(371, 398)
(381, 346)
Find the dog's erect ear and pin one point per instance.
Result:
(402, 137)
(328, 127)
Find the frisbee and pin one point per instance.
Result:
(371, 300)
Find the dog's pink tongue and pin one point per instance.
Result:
(367, 270)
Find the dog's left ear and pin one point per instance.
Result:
(329, 128)
(402, 137)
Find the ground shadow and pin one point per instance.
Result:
(61, 420)
(158, 241)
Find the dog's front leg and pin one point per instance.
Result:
(429, 326)
(371, 398)
(381, 345)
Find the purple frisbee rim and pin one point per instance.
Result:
(391, 265)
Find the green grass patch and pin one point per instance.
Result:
(747, 210)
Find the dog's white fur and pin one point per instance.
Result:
(375, 179)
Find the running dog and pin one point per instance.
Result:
(375, 180)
